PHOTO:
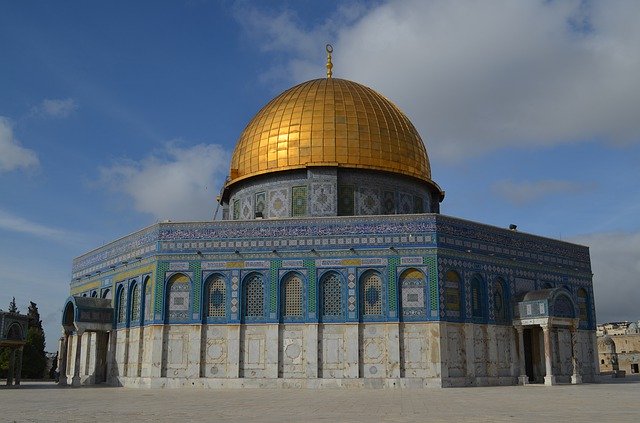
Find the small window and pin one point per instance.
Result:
(371, 294)
(452, 292)
(331, 294)
(135, 303)
(292, 297)
(216, 297)
(254, 297)
(122, 307)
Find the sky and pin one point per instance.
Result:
(115, 115)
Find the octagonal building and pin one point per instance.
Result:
(332, 267)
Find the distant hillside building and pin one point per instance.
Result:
(331, 267)
(619, 348)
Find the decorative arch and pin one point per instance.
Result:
(331, 296)
(178, 298)
(134, 310)
(412, 285)
(148, 298)
(106, 294)
(371, 294)
(500, 301)
(583, 307)
(121, 306)
(452, 293)
(215, 297)
(68, 316)
(291, 296)
(253, 290)
(561, 304)
(478, 297)
(14, 333)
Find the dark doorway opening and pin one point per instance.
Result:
(528, 358)
(102, 341)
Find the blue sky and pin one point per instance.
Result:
(114, 115)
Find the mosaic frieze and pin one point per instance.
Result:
(322, 199)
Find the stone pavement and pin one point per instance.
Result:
(616, 401)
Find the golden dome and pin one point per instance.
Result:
(330, 122)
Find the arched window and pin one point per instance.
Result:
(371, 294)
(583, 306)
(178, 293)
(94, 294)
(453, 298)
(135, 303)
(500, 305)
(331, 295)
(148, 312)
(412, 294)
(122, 306)
(216, 296)
(292, 296)
(106, 294)
(477, 297)
(253, 297)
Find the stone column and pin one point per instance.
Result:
(233, 351)
(76, 368)
(469, 348)
(12, 364)
(549, 378)
(311, 347)
(62, 358)
(575, 377)
(393, 348)
(351, 350)
(523, 379)
(18, 371)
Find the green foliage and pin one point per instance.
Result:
(34, 359)
(12, 306)
(4, 362)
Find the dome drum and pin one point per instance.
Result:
(329, 191)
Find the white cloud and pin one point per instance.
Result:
(478, 76)
(12, 155)
(615, 260)
(56, 108)
(13, 223)
(520, 193)
(176, 183)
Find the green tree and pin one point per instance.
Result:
(34, 358)
(12, 306)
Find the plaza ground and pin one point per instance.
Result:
(614, 401)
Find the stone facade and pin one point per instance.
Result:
(351, 301)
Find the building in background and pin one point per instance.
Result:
(332, 266)
(619, 348)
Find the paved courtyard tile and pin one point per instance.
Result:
(45, 402)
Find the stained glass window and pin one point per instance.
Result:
(254, 297)
(122, 307)
(217, 296)
(135, 303)
(452, 292)
(582, 305)
(477, 297)
(371, 294)
(292, 297)
(331, 295)
(499, 301)
(148, 312)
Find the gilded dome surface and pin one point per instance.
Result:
(330, 122)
